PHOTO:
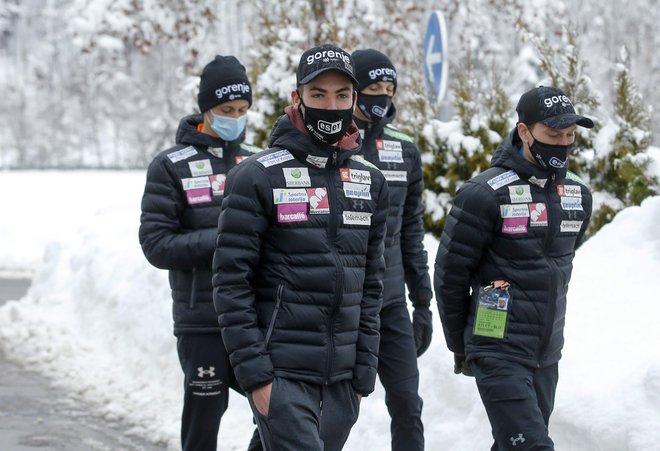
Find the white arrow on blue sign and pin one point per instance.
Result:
(435, 57)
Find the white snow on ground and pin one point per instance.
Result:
(97, 321)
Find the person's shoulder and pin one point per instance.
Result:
(177, 153)
(576, 179)
(393, 132)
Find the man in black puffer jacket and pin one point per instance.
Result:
(396, 155)
(503, 266)
(299, 262)
(180, 208)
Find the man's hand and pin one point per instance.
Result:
(461, 366)
(423, 327)
(261, 399)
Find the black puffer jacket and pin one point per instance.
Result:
(517, 223)
(298, 266)
(396, 155)
(180, 209)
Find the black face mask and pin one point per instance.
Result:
(374, 108)
(326, 126)
(550, 156)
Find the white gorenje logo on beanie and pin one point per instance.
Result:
(382, 72)
(550, 101)
(236, 87)
(329, 127)
(326, 55)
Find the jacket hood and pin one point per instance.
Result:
(508, 155)
(289, 133)
(188, 133)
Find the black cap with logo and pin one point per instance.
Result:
(551, 107)
(372, 66)
(323, 58)
(223, 80)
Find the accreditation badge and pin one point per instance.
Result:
(493, 305)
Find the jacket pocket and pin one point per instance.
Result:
(278, 302)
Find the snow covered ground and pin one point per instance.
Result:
(97, 321)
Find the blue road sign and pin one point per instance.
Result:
(435, 57)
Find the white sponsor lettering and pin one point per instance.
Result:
(395, 176)
(549, 101)
(357, 191)
(570, 226)
(276, 158)
(182, 154)
(503, 180)
(289, 196)
(384, 72)
(329, 127)
(514, 211)
(356, 218)
(241, 88)
(355, 176)
(195, 183)
(327, 54)
(520, 194)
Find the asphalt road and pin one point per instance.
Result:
(35, 416)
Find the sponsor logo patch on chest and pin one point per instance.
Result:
(200, 167)
(520, 194)
(571, 203)
(569, 190)
(514, 211)
(319, 162)
(355, 176)
(289, 196)
(356, 218)
(538, 214)
(395, 176)
(357, 191)
(273, 159)
(570, 226)
(318, 201)
(291, 213)
(502, 180)
(218, 184)
(512, 226)
(195, 183)
(297, 177)
(182, 154)
(384, 144)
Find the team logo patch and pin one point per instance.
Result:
(571, 203)
(318, 201)
(275, 158)
(198, 196)
(569, 190)
(357, 191)
(514, 211)
(319, 162)
(356, 218)
(395, 176)
(538, 215)
(297, 177)
(570, 226)
(355, 176)
(195, 183)
(383, 144)
(520, 194)
(218, 184)
(289, 196)
(182, 154)
(512, 226)
(200, 168)
(291, 213)
(503, 180)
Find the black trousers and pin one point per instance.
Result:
(304, 416)
(207, 379)
(518, 400)
(397, 371)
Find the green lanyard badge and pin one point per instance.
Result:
(493, 304)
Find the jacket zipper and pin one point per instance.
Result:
(193, 289)
(553, 223)
(278, 302)
(332, 234)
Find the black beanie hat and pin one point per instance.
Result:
(372, 66)
(222, 80)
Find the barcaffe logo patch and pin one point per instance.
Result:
(503, 180)
(291, 213)
(538, 215)
(200, 167)
(318, 201)
(520, 194)
(195, 183)
(356, 218)
(218, 184)
(198, 196)
(297, 177)
(182, 154)
(357, 191)
(273, 159)
(355, 176)
(289, 196)
(514, 211)
(512, 226)
(569, 190)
